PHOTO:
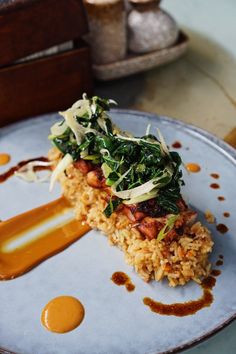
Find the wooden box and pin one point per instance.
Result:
(46, 84)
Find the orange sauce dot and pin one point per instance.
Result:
(62, 314)
(4, 159)
(193, 167)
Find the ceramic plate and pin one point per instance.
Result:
(116, 321)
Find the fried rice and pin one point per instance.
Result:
(180, 260)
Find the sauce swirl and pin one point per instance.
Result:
(226, 214)
(120, 278)
(180, 309)
(185, 308)
(62, 314)
(4, 176)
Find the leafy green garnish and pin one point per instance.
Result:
(112, 206)
(167, 227)
(141, 161)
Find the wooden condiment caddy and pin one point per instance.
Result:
(45, 84)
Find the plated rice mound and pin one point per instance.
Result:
(180, 260)
(129, 188)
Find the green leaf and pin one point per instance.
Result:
(112, 206)
(168, 227)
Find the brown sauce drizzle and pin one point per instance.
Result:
(4, 159)
(215, 175)
(209, 282)
(221, 198)
(219, 263)
(215, 272)
(226, 214)
(214, 186)
(62, 314)
(4, 176)
(120, 278)
(221, 256)
(177, 145)
(180, 309)
(222, 228)
(193, 167)
(185, 308)
(53, 240)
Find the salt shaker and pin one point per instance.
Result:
(107, 24)
(149, 27)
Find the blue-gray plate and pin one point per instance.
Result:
(116, 321)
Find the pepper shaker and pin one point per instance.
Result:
(107, 23)
(149, 27)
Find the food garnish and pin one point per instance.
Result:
(136, 169)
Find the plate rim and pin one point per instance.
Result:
(218, 143)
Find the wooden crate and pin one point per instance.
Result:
(28, 26)
(44, 85)
(50, 83)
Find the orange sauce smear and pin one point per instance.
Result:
(21, 259)
(193, 167)
(62, 314)
(4, 159)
